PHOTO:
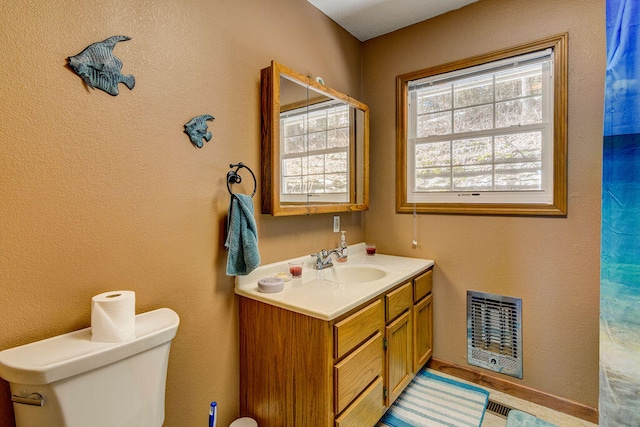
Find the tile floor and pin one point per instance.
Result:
(558, 418)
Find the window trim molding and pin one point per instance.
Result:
(558, 207)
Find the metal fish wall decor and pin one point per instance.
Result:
(196, 128)
(99, 68)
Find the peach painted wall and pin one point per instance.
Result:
(551, 263)
(100, 193)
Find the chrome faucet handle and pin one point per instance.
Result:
(318, 257)
(321, 255)
(323, 259)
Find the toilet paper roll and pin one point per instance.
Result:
(113, 316)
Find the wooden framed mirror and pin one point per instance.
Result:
(315, 146)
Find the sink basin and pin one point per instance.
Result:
(352, 274)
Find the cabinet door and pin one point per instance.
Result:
(398, 358)
(423, 332)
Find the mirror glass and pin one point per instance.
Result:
(315, 143)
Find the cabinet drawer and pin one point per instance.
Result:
(353, 374)
(366, 410)
(398, 301)
(422, 285)
(356, 328)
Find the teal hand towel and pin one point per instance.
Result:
(242, 237)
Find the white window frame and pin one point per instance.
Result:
(550, 199)
(306, 196)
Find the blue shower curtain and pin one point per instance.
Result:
(620, 251)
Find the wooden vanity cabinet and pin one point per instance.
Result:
(297, 370)
(286, 366)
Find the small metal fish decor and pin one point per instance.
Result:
(99, 68)
(196, 128)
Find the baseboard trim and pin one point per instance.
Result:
(556, 403)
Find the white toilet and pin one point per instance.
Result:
(70, 381)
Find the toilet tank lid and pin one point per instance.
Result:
(63, 356)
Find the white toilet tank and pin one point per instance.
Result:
(70, 381)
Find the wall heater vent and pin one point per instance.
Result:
(494, 333)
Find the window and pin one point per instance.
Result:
(315, 153)
(486, 135)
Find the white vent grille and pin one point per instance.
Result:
(494, 333)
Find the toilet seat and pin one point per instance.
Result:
(244, 422)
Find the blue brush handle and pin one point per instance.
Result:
(213, 413)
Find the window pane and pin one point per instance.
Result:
(314, 183)
(468, 178)
(316, 164)
(433, 154)
(336, 162)
(473, 91)
(519, 112)
(294, 144)
(433, 179)
(336, 183)
(338, 117)
(434, 100)
(473, 119)
(518, 147)
(519, 83)
(472, 151)
(519, 176)
(293, 127)
(292, 166)
(317, 141)
(317, 122)
(338, 138)
(292, 185)
(434, 124)
(315, 144)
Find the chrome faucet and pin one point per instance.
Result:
(323, 258)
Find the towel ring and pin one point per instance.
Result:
(234, 178)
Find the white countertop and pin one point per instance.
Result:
(324, 299)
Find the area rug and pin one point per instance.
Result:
(434, 400)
